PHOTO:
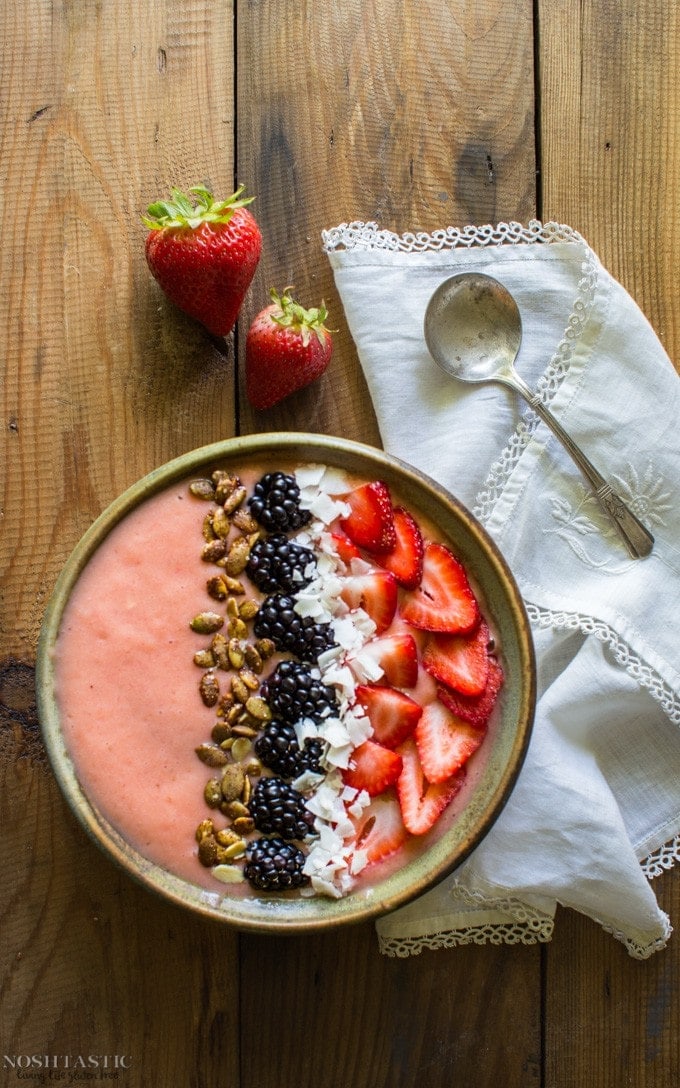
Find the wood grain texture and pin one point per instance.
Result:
(610, 161)
(610, 140)
(365, 1020)
(103, 380)
(611, 1020)
(413, 116)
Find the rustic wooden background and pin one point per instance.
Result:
(417, 115)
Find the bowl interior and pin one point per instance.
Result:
(503, 749)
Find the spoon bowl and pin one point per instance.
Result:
(473, 331)
(473, 328)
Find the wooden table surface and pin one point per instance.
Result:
(417, 115)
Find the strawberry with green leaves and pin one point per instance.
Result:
(204, 253)
(287, 348)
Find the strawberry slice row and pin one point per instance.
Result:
(415, 762)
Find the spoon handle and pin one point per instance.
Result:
(635, 536)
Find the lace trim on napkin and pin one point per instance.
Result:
(526, 925)
(662, 859)
(358, 235)
(633, 665)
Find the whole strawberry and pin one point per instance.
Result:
(204, 254)
(287, 347)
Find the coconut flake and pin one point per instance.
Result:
(310, 475)
(365, 668)
(335, 481)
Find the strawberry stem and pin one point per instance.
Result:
(294, 316)
(180, 211)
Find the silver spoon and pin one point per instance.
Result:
(473, 331)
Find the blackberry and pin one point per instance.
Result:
(278, 620)
(293, 693)
(277, 747)
(275, 503)
(276, 563)
(274, 865)
(277, 808)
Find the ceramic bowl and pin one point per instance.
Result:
(498, 762)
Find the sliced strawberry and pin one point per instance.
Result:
(421, 802)
(406, 558)
(444, 600)
(380, 828)
(459, 661)
(445, 742)
(372, 768)
(392, 714)
(397, 656)
(474, 709)
(371, 521)
(376, 593)
(345, 548)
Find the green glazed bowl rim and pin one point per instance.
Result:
(502, 601)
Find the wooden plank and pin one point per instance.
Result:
(417, 116)
(610, 167)
(610, 1019)
(414, 116)
(332, 1010)
(105, 106)
(610, 149)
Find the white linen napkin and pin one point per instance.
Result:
(596, 809)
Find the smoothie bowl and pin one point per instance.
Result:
(286, 681)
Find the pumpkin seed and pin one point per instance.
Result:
(240, 748)
(244, 521)
(244, 825)
(247, 610)
(234, 500)
(226, 837)
(211, 754)
(212, 792)
(205, 623)
(235, 653)
(218, 647)
(239, 690)
(237, 557)
(237, 629)
(265, 648)
(235, 810)
(249, 679)
(221, 731)
(204, 659)
(243, 730)
(221, 523)
(228, 874)
(209, 688)
(217, 588)
(207, 851)
(232, 781)
(258, 708)
(205, 828)
(225, 482)
(234, 850)
(214, 550)
(202, 489)
(252, 658)
(208, 533)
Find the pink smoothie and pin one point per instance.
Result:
(126, 683)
